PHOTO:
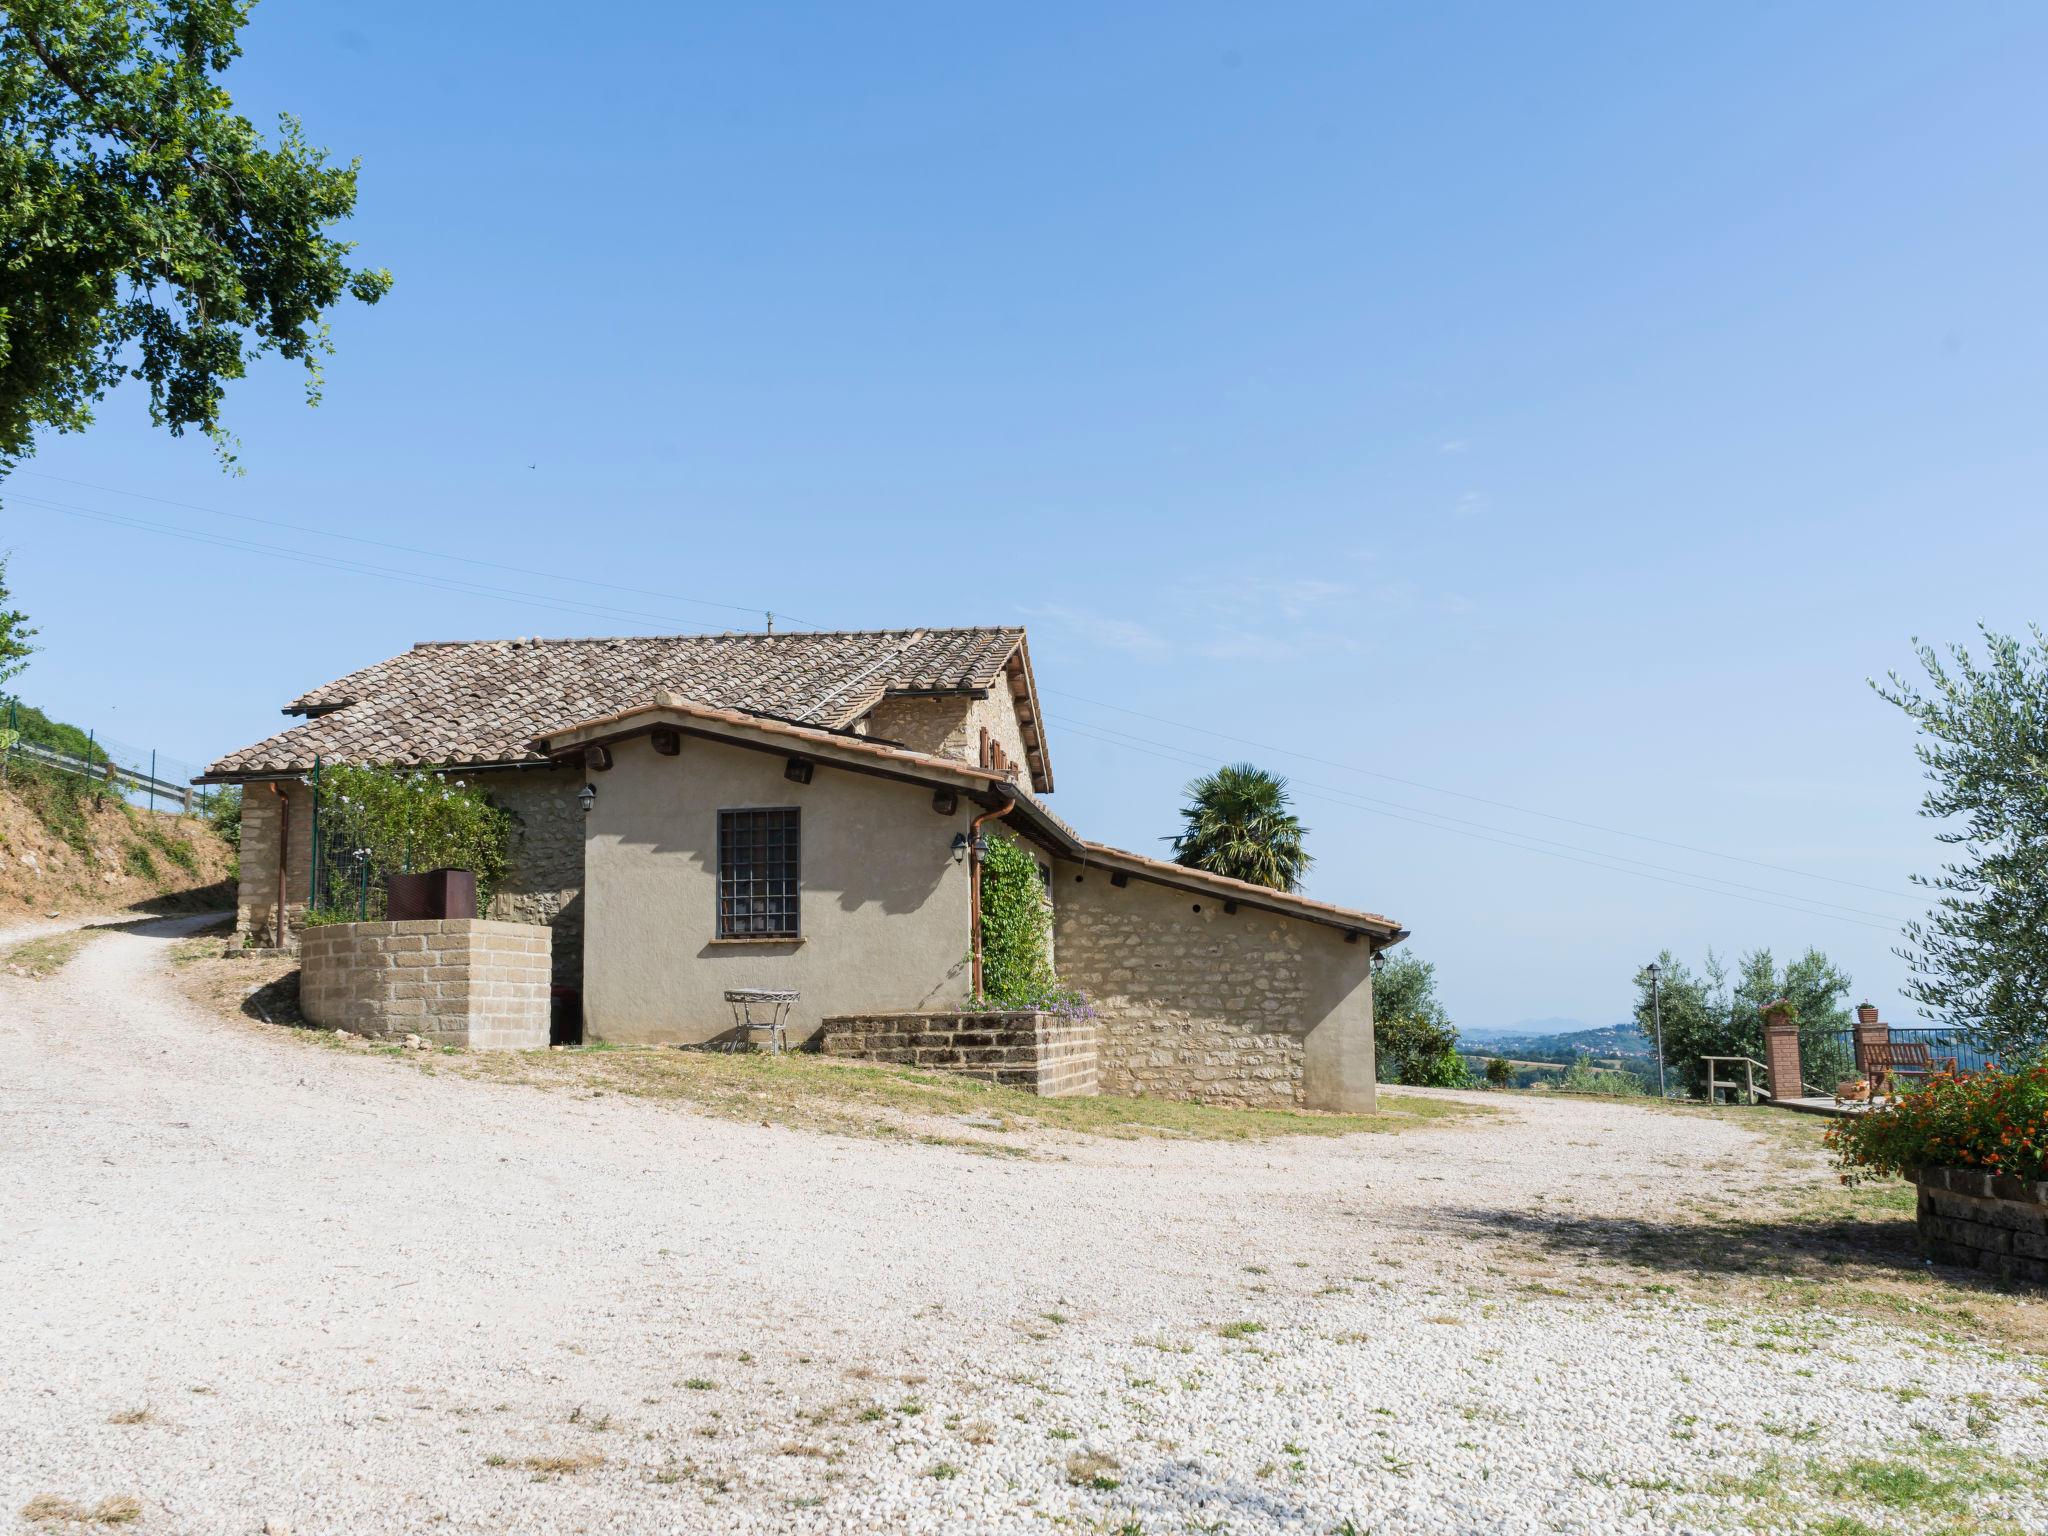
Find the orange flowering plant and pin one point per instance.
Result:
(1994, 1120)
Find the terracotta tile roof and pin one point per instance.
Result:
(483, 701)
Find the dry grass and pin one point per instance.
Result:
(37, 958)
(1797, 1241)
(50, 1509)
(801, 1089)
(556, 1466)
(813, 1092)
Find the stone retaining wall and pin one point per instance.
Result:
(1038, 1052)
(1984, 1221)
(454, 981)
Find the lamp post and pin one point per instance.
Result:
(1657, 1013)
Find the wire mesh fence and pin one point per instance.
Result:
(33, 744)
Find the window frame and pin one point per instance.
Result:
(762, 877)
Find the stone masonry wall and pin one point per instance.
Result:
(949, 725)
(1984, 1221)
(544, 883)
(466, 982)
(263, 820)
(1194, 1003)
(1052, 1057)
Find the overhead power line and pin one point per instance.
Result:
(412, 549)
(1595, 862)
(1499, 805)
(1370, 802)
(454, 584)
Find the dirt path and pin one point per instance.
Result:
(344, 1294)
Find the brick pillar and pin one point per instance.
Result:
(1781, 1051)
(1870, 1030)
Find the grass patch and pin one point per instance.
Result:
(556, 1466)
(810, 1091)
(136, 859)
(51, 953)
(1094, 1470)
(49, 1509)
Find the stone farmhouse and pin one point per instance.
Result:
(703, 812)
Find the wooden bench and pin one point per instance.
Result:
(1905, 1058)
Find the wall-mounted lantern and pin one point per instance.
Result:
(959, 846)
(587, 797)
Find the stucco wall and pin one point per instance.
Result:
(1249, 1008)
(884, 905)
(544, 883)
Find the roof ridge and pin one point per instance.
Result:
(724, 634)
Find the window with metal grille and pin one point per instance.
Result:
(757, 874)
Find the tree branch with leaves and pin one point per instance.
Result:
(1979, 959)
(147, 230)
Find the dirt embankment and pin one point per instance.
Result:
(67, 852)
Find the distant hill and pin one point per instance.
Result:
(1533, 1040)
(1528, 1029)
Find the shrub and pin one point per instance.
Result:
(1583, 1077)
(414, 820)
(1445, 1069)
(1499, 1071)
(223, 812)
(1994, 1120)
(1016, 939)
(1016, 926)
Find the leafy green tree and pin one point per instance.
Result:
(15, 634)
(1414, 1041)
(1499, 1071)
(1719, 1013)
(147, 230)
(1240, 822)
(1979, 959)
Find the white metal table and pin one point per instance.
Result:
(774, 1018)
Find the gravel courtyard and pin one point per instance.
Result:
(255, 1285)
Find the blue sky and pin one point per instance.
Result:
(1569, 407)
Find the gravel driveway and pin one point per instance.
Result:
(328, 1292)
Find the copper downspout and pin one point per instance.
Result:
(974, 863)
(284, 843)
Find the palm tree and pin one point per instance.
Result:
(1241, 823)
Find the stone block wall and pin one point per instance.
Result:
(1190, 1009)
(264, 811)
(949, 725)
(544, 880)
(469, 982)
(1984, 1221)
(1052, 1057)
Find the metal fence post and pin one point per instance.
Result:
(152, 779)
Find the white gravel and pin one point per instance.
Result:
(354, 1297)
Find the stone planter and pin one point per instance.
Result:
(1984, 1221)
(453, 981)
